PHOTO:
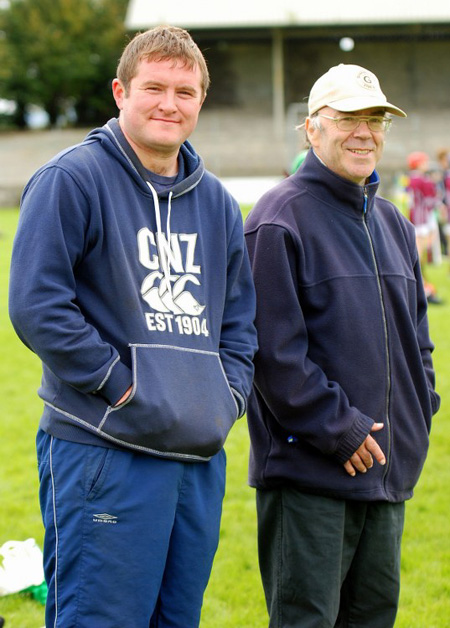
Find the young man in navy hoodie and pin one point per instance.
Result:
(140, 303)
(344, 394)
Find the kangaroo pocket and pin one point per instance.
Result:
(181, 402)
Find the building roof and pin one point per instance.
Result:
(144, 14)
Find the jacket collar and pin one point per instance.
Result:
(334, 190)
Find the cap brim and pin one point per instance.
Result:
(357, 104)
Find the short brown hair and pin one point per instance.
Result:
(161, 43)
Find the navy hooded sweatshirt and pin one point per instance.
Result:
(116, 284)
(343, 338)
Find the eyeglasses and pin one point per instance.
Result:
(351, 123)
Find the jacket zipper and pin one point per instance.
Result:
(388, 361)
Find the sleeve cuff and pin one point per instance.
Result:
(118, 381)
(350, 442)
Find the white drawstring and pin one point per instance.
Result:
(169, 211)
(161, 298)
(163, 254)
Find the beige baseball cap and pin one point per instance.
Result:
(349, 88)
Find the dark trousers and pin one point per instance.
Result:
(329, 563)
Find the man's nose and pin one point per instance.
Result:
(362, 129)
(167, 101)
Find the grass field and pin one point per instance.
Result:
(234, 598)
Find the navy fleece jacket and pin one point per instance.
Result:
(113, 284)
(343, 338)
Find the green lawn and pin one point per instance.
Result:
(234, 598)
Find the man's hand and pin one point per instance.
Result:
(363, 457)
(124, 397)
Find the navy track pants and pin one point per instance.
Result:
(129, 538)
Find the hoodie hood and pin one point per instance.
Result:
(115, 142)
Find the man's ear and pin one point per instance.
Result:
(311, 132)
(118, 91)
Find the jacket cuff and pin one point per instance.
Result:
(240, 402)
(435, 401)
(350, 442)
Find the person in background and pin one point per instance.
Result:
(443, 190)
(344, 389)
(298, 160)
(423, 204)
(131, 281)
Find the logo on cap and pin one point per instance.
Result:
(366, 80)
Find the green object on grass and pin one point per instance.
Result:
(38, 592)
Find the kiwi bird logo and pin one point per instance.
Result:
(165, 298)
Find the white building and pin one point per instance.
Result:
(264, 57)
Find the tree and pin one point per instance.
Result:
(61, 53)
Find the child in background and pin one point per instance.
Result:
(423, 201)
